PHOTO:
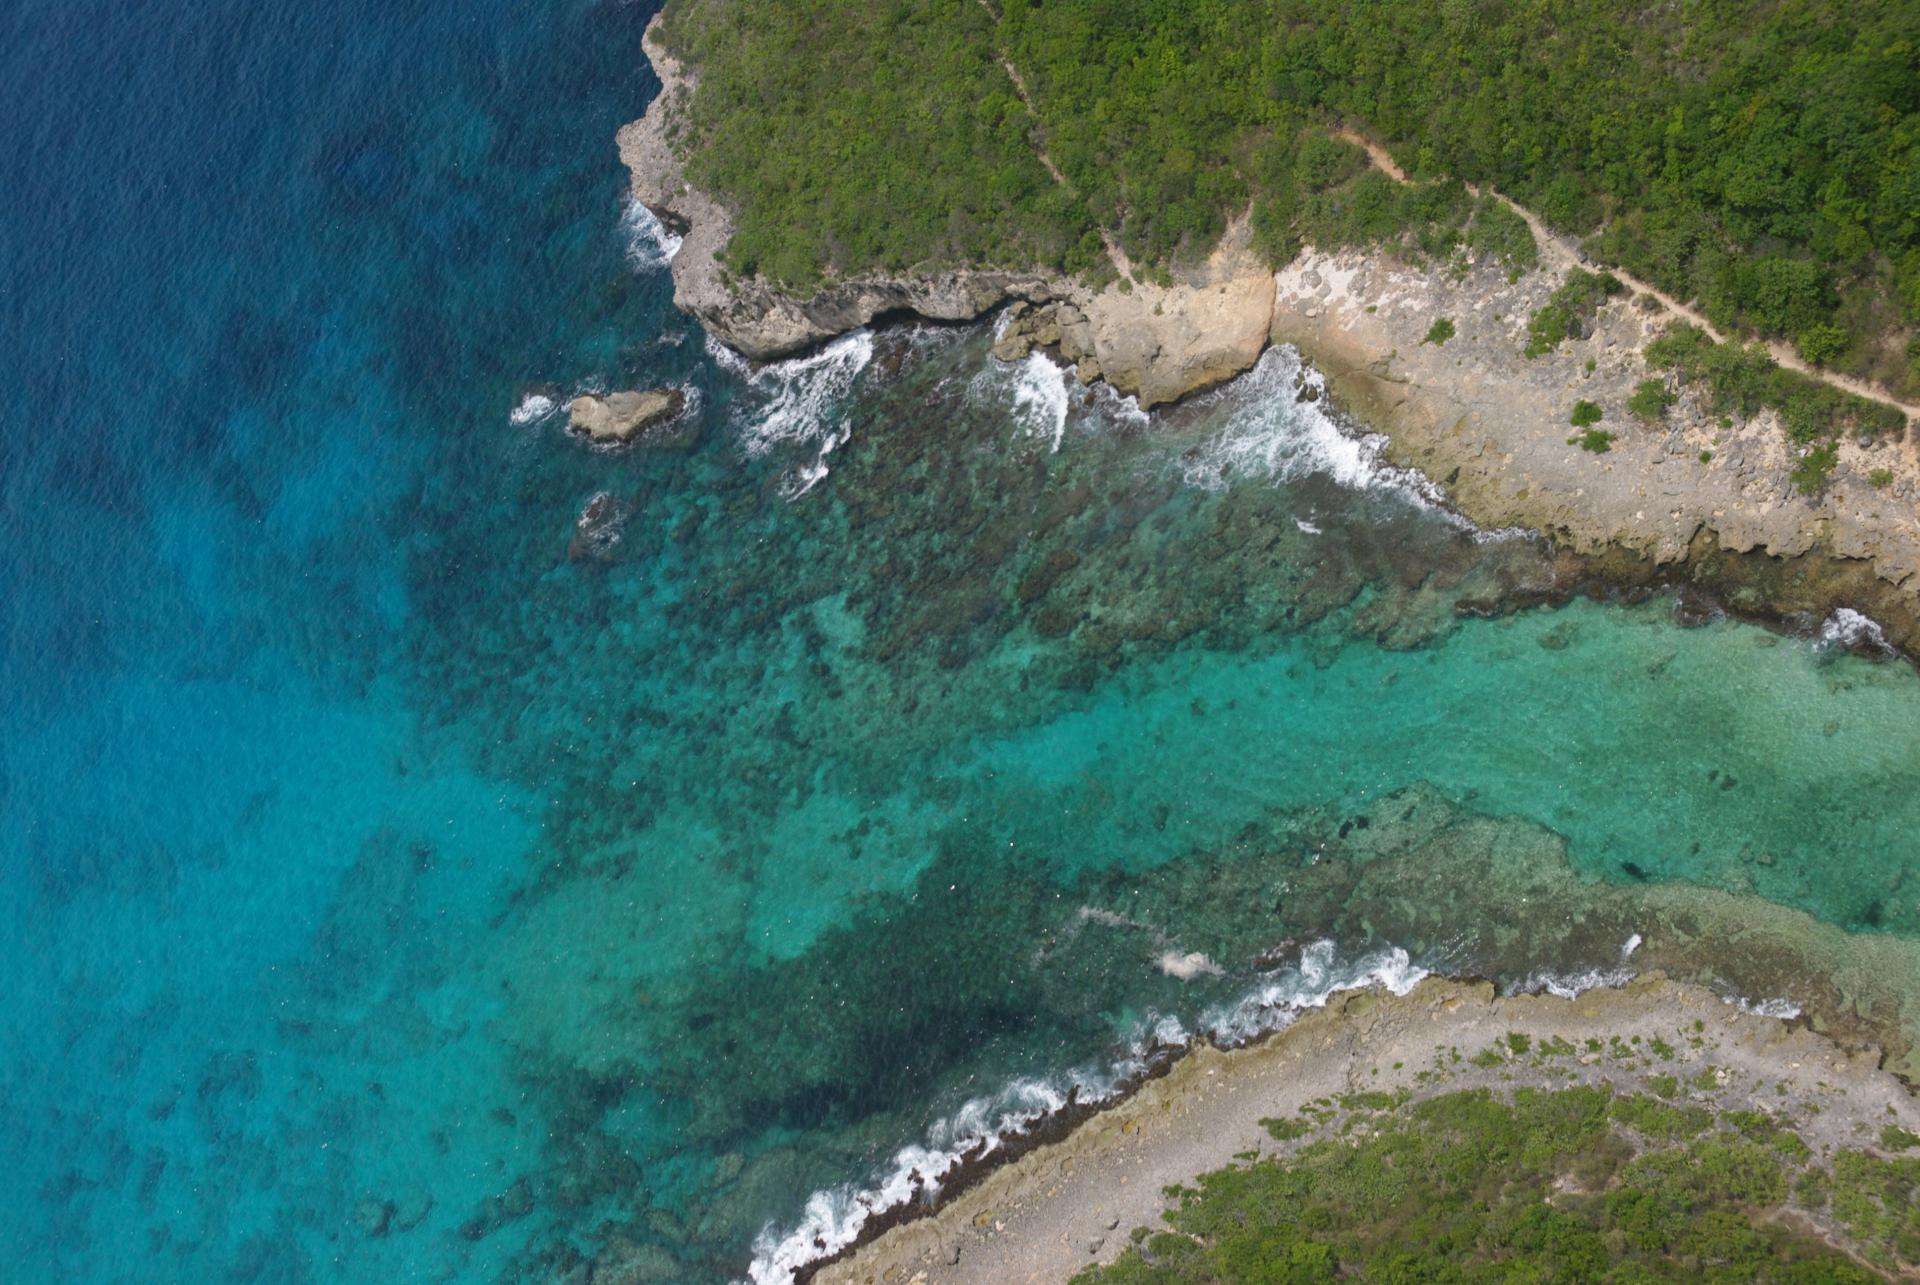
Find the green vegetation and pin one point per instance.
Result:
(1597, 440)
(851, 137)
(1814, 467)
(1880, 478)
(1569, 310)
(1877, 1200)
(1650, 400)
(1584, 413)
(1439, 332)
(1759, 156)
(1498, 231)
(1743, 380)
(1564, 1185)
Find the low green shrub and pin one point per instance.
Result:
(1650, 400)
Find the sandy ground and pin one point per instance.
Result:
(1072, 1203)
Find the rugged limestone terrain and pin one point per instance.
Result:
(1493, 427)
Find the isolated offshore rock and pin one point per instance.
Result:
(620, 417)
(597, 529)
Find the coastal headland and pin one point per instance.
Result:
(1438, 356)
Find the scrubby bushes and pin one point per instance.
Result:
(1570, 309)
(1650, 400)
(1741, 380)
(1759, 156)
(1564, 1185)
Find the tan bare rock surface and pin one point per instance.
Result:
(1160, 343)
(1492, 426)
(620, 417)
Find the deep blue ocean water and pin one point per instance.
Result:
(402, 882)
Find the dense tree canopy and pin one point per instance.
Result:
(1759, 156)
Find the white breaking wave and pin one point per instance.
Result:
(1034, 393)
(1849, 628)
(1783, 1009)
(532, 408)
(650, 243)
(1186, 967)
(1123, 408)
(1319, 977)
(796, 402)
(1272, 435)
(832, 1220)
(1572, 985)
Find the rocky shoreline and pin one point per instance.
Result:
(1155, 343)
(1069, 1203)
(1687, 501)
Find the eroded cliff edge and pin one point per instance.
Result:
(1690, 498)
(1156, 343)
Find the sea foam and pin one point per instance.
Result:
(833, 1220)
(1852, 629)
(797, 402)
(1271, 434)
(651, 244)
(533, 408)
(1033, 392)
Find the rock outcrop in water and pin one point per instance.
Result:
(620, 417)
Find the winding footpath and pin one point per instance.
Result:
(1566, 253)
(1114, 253)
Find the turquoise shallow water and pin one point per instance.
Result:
(404, 883)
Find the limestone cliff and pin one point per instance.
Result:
(755, 317)
(1157, 343)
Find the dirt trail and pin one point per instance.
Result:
(1114, 252)
(1564, 252)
